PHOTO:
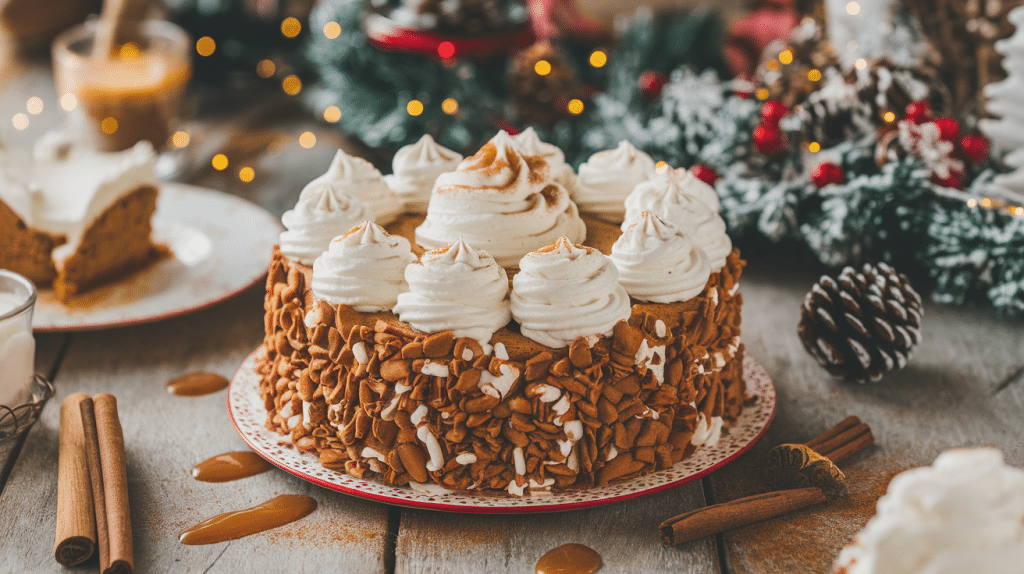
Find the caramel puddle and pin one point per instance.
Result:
(230, 466)
(273, 513)
(196, 384)
(569, 559)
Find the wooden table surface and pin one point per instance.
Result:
(963, 387)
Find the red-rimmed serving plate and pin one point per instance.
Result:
(249, 415)
(221, 245)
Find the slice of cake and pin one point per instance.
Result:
(77, 218)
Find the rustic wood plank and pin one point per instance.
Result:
(948, 396)
(624, 533)
(165, 436)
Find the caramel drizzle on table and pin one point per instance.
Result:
(230, 466)
(196, 384)
(569, 559)
(273, 513)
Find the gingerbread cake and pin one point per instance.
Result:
(594, 357)
(75, 218)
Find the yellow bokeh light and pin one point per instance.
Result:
(814, 147)
(68, 102)
(786, 56)
(661, 166)
(20, 121)
(853, 8)
(414, 107)
(220, 162)
(986, 202)
(332, 30)
(972, 202)
(889, 117)
(205, 46)
(860, 64)
(575, 107)
(246, 174)
(307, 139)
(762, 93)
(265, 68)
(449, 106)
(332, 114)
(772, 65)
(291, 27)
(34, 105)
(292, 85)
(108, 125)
(180, 139)
(598, 58)
(129, 51)
(814, 75)
(542, 67)
(1018, 211)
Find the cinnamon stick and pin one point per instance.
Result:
(115, 486)
(843, 426)
(92, 456)
(75, 539)
(737, 514)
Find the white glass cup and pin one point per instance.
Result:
(17, 345)
(134, 94)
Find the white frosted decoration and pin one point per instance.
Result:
(321, 214)
(500, 201)
(1005, 100)
(565, 291)
(456, 288)
(17, 352)
(356, 177)
(560, 171)
(964, 513)
(416, 167)
(667, 199)
(365, 268)
(608, 177)
(61, 188)
(658, 262)
(695, 187)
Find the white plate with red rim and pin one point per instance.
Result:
(221, 246)
(249, 416)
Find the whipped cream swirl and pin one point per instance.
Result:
(609, 176)
(321, 214)
(666, 198)
(365, 268)
(965, 513)
(695, 187)
(565, 291)
(560, 171)
(658, 262)
(456, 288)
(501, 201)
(416, 167)
(356, 177)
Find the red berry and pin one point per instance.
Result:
(919, 111)
(768, 139)
(651, 83)
(772, 111)
(954, 180)
(975, 148)
(704, 173)
(827, 173)
(948, 128)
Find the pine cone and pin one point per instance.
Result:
(863, 324)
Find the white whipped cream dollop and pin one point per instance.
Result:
(559, 171)
(965, 513)
(416, 167)
(667, 198)
(365, 269)
(356, 177)
(695, 187)
(501, 201)
(658, 262)
(609, 176)
(321, 214)
(62, 187)
(565, 291)
(458, 289)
